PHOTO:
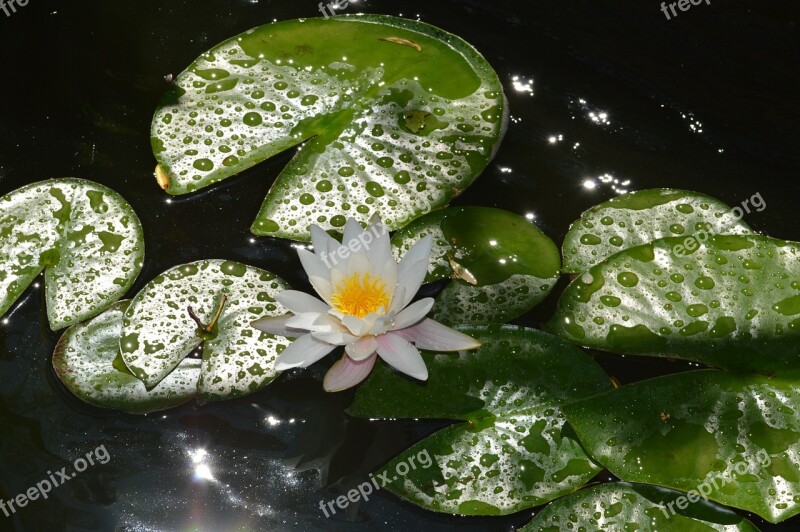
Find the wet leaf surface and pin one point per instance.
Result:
(641, 217)
(158, 330)
(87, 361)
(623, 506)
(509, 453)
(84, 236)
(502, 265)
(736, 437)
(734, 303)
(394, 117)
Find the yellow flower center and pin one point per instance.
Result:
(359, 295)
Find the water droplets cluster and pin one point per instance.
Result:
(158, 331)
(86, 237)
(623, 223)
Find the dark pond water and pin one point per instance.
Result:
(603, 96)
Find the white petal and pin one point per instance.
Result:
(413, 313)
(315, 322)
(299, 302)
(403, 356)
(432, 335)
(388, 273)
(352, 230)
(323, 287)
(409, 284)
(324, 244)
(362, 349)
(359, 326)
(335, 337)
(379, 250)
(302, 353)
(312, 264)
(346, 373)
(421, 250)
(357, 264)
(276, 326)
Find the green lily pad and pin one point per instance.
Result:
(623, 506)
(387, 127)
(84, 235)
(502, 265)
(734, 438)
(510, 452)
(87, 361)
(734, 303)
(640, 217)
(158, 330)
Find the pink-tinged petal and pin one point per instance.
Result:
(276, 326)
(413, 313)
(335, 338)
(362, 349)
(302, 353)
(347, 372)
(401, 355)
(409, 284)
(299, 302)
(433, 336)
(324, 244)
(323, 287)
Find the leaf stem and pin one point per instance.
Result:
(210, 327)
(213, 323)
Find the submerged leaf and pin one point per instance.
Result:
(510, 452)
(86, 359)
(84, 235)
(735, 438)
(623, 506)
(388, 129)
(158, 329)
(502, 265)
(640, 217)
(734, 303)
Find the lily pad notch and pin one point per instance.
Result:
(393, 116)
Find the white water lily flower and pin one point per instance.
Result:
(365, 308)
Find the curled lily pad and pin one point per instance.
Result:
(509, 453)
(640, 217)
(209, 303)
(87, 361)
(623, 506)
(502, 265)
(84, 235)
(733, 303)
(397, 117)
(733, 438)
